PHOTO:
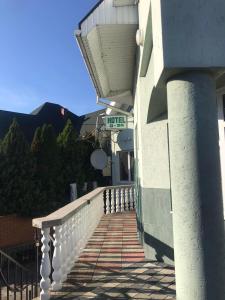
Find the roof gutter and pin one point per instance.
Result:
(77, 35)
(100, 102)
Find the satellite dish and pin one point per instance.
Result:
(99, 159)
(125, 139)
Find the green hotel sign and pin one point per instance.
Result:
(115, 122)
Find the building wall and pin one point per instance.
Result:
(15, 231)
(152, 168)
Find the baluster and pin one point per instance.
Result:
(122, 199)
(45, 265)
(107, 202)
(56, 260)
(71, 256)
(134, 197)
(86, 229)
(68, 249)
(82, 226)
(79, 232)
(64, 253)
(113, 204)
(131, 198)
(117, 200)
(126, 199)
(66, 244)
(76, 237)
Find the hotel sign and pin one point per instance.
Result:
(115, 122)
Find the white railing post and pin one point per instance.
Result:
(79, 233)
(117, 200)
(122, 199)
(64, 253)
(75, 233)
(107, 202)
(56, 260)
(134, 197)
(131, 198)
(113, 204)
(66, 249)
(126, 199)
(45, 265)
(71, 256)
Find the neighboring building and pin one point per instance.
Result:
(48, 113)
(170, 79)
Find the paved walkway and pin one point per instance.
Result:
(112, 266)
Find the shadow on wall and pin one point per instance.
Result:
(160, 248)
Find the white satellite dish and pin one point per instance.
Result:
(99, 159)
(125, 139)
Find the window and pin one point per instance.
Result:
(224, 107)
(126, 165)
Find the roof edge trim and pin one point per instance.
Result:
(90, 12)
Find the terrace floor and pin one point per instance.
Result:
(113, 266)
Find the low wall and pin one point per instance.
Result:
(15, 231)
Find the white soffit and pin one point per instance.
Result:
(108, 43)
(117, 3)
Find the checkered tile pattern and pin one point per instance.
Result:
(112, 266)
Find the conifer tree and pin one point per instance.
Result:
(69, 156)
(47, 173)
(16, 173)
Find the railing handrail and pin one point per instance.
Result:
(119, 186)
(61, 215)
(14, 261)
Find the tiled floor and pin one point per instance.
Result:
(112, 266)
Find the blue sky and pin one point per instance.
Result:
(39, 58)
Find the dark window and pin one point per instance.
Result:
(132, 166)
(124, 172)
(126, 161)
(224, 107)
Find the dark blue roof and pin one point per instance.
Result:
(48, 113)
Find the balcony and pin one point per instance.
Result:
(96, 251)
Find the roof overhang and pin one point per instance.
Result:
(107, 41)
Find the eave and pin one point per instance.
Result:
(107, 41)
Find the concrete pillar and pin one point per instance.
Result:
(199, 239)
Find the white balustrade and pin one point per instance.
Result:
(72, 226)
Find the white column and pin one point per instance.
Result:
(45, 265)
(198, 224)
(56, 260)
